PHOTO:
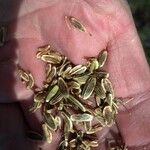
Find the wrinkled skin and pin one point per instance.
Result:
(33, 23)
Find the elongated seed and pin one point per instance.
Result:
(43, 51)
(63, 87)
(108, 86)
(88, 88)
(39, 96)
(51, 59)
(47, 133)
(79, 69)
(24, 76)
(56, 98)
(51, 74)
(52, 92)
(94, 65)
(30, 83)
(102, 58)
(108, 115)
(100, 89)
(74, 84)
(81, 79)
(75, 23)
(76, 103)
(50, 121)
(96, 128)
(81, 117)
(68, 122)
(58, 121)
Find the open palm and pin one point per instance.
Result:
(35, 23)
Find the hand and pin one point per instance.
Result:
(32, 24)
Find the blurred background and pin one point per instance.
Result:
(141, 13)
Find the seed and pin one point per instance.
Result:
(39, 96)
(34, 136)
(53, 59)
(76, 102)
(65, 73)
(108, 86)
(102, 74)
(72, 143)
(36, 105)
(100, 90)
(47, 133)
(58, 121)
(79, 69)
(96, 128)
(108, 115)
(52, 92)
(30, 83)
(24, 76)
(56, 98)
(102, 58)
(63, 87)
(81, 79)
(90, 143)
(51, 74)
(43, 51)
(68, 123)
(74, 85)
(2, 35)
(50, 121)
(94, 65)
(109, 99)
(81, 117)
(88, 88)
(75, 23)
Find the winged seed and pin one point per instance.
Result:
(81, 117)
(68, 122)
(47, 133)
(76, 23)
(51, 59)
(52, 92)
(43, 51)
(88, 88)
(76, 103)
(79, 69)
(102, 58)
(50, 121)
(63, 87)
(57, 98)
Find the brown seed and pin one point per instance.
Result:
(52, 92)
(102, 58)
(56, 98)
(50, 121)
(79, 69)
(53, 59)
(88, 88)
(43, 51)
(30, 83)
(68, 123)
(75, 23)
(81, 117)
(47, 133)
(63, 87)
(108, 86)
(40, 96)
(76, 103)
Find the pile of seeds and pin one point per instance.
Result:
(75, 99)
